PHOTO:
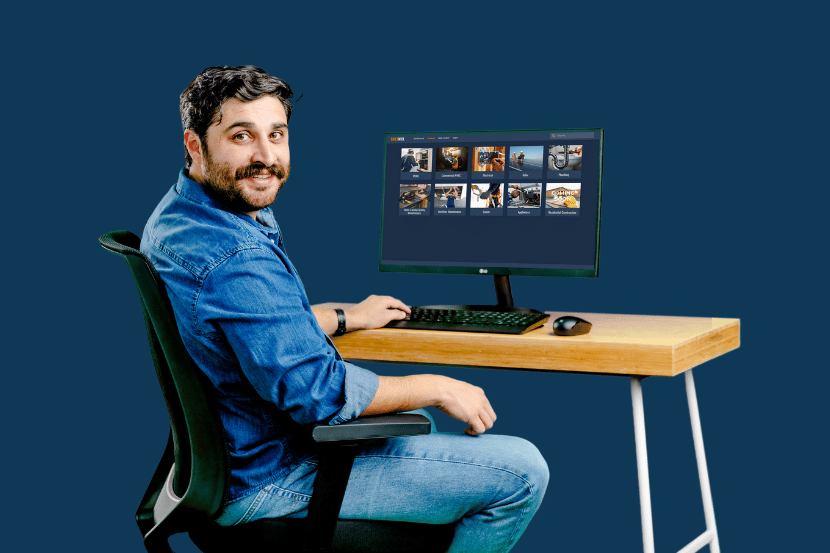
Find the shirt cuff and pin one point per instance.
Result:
(360, 388)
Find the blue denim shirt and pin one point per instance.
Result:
(244, 317)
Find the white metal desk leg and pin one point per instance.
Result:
(703, 471)
(642, 463)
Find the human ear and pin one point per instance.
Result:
(193, 146)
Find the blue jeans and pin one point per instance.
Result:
(489, 485)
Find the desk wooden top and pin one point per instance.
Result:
(617, 344)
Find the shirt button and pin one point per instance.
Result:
(272, 241)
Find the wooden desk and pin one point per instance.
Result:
(636, 346)
(617, 344)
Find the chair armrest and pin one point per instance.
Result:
(335, 465)
(378, 426)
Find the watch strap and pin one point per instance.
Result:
(341, 322)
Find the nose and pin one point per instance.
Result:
(265, 153)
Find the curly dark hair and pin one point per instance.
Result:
(201, 102)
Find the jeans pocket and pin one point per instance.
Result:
(242, 510)
(249, 514)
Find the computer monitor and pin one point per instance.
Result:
(495, 203)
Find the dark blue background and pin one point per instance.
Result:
(701, 223)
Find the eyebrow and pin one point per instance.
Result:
(249, 125)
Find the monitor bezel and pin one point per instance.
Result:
(493, 270)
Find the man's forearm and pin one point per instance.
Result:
(457, 399)
(326, 318)
(403, 393)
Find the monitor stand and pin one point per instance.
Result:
(504, 296)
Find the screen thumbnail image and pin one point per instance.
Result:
(563, 195)
(524, 195)
(562, 158)
(450, 196)
(488, 158)
(486, 195)
(415, 195)
(451, 159)
(525, 158)
(414, 160)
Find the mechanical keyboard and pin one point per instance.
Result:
(473, 318)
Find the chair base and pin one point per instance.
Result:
(350, 536)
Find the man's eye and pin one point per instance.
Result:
(277, 134)
(240, 137)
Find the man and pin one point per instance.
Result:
(496, 163)
(448, 160)
(515, 199)
(244, 316)
(423, 193)
(495, 197)
(451, 195)
(484, 194)
(408, 161)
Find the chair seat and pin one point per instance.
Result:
(350, 536)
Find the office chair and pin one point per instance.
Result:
(187, 489)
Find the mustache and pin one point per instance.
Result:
(255, 169)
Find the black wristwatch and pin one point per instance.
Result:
(341, 323)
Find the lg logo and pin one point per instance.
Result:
(483, 271)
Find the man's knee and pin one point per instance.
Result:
(524, 460)
(532, 464)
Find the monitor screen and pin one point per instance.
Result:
(492, 202)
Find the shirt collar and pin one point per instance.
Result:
(195, 192)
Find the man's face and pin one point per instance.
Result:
(246, 158)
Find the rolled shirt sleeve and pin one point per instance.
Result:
(255, 301)
(361, 387)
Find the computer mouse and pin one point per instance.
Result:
(570, 325)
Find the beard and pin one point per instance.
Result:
(222, 182)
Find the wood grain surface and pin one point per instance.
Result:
(617, 344)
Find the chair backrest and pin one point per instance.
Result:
(201, 464)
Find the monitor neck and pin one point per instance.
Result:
(504, 296)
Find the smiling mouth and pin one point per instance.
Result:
(261, 177)
(261, 183)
